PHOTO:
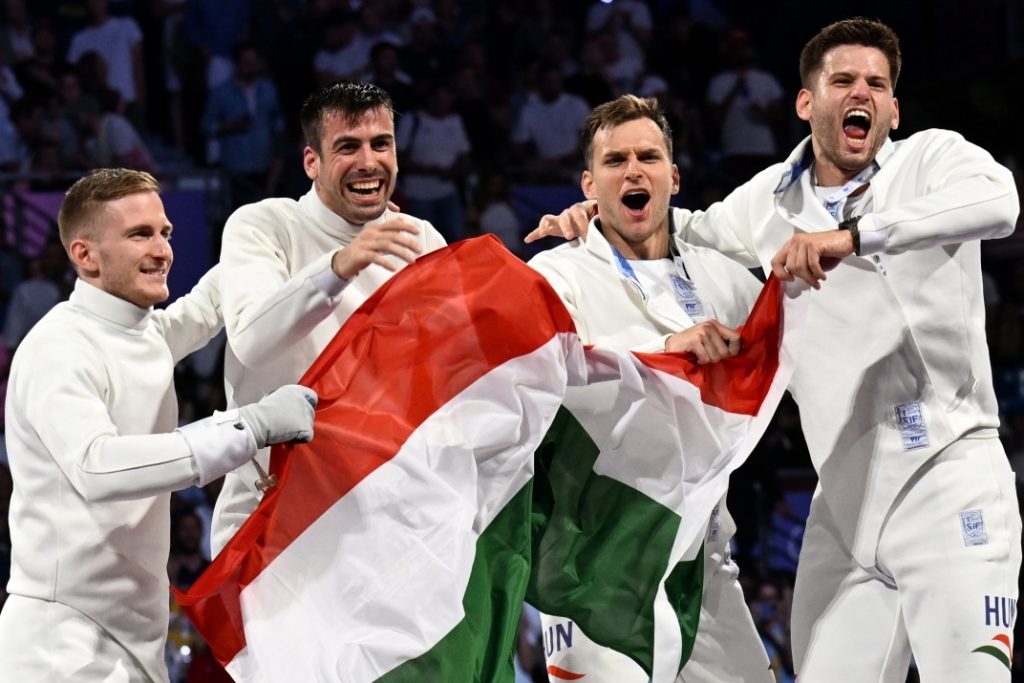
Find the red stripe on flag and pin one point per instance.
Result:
(378, 380)
(738, 384)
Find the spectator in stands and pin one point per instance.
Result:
(110, 139)
(497, 216)
(436, 158)
(386, 72)
(119, 41)
(343, 57)
(547, 133)
(47, 284)
(186, 562)
(746, 103)
(243, 116)
(591, 80)
(39, 74)
(628, 24)
(424, 55)
(20, 136)
(15, 33)
(213, 28)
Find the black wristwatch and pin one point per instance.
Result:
(851, 225)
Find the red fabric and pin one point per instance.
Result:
(738, 384)
(430, 332)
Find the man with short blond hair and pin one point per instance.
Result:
(93, 450)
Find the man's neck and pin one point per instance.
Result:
(653, 248)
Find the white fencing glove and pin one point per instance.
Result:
(284, 415)
(226, 440)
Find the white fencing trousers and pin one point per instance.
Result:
(944, 587)
(49, 642)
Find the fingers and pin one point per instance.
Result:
(579, 216)
(799, 257)
(570, 224)
(708, 342)
(381, 244)
(552, 226)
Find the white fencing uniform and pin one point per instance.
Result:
(637, 305)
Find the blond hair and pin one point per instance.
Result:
(86, 199)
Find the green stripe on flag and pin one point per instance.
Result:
(475, 650)
(601, 549)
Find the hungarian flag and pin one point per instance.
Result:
(469, 454)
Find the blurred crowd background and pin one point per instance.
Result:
(489, 96)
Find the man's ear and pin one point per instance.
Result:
(587, 185)
(803, 104)
(80, 251)
(311, 163)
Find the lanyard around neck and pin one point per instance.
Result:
(835, 201)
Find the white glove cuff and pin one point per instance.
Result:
(219, 444)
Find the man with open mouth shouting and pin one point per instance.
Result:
(294, 271)
(913, 544)
(628, 285)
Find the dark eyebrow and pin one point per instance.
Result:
(343, 140)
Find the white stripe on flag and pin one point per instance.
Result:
(380, 577)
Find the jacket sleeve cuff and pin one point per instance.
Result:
(327, 281)
(219, 444)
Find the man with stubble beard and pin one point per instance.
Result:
(913, 544)
(292, 272)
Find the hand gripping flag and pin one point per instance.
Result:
(401, 542)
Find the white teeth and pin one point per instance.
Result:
(366, 185)
(857, 112)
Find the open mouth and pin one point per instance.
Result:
(636, 200)
(856, 125)
(366, 188)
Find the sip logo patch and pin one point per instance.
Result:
(972, 526)
(999, 648)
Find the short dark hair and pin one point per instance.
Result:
(350, 100)
(621, 110)
(856, 31)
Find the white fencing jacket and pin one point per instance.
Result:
(282, 305)
(896, 336)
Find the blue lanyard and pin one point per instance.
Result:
(835, 201)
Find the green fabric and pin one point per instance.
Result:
(601, 549)
(481, 647)
(596, 553)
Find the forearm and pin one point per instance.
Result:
(116, 467)
(260, 327)
(129, 467)
(724, 227)
(979, 207)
